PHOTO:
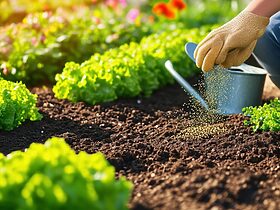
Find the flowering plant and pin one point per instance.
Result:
(170, 9)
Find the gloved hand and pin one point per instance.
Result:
(232, 43)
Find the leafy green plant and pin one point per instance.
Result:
(129, 70)
(16, 105)
(35, 50)
(265, 118)
(52, 176)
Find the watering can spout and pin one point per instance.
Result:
(185, 84)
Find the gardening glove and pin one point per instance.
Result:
(232, 43)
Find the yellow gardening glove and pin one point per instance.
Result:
(232, 43)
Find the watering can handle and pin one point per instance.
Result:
(185, 84)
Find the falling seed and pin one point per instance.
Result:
(205, 123)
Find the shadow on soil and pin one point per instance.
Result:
(19, 139)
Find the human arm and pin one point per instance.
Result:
(265, 8)
(233, 43)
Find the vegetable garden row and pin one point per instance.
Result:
(102, 86)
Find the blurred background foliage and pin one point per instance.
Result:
(37, 37)
(199, 11)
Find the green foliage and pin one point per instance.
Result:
(16, 105)
(38, 48)
(197, 13)
(266, 117)
(129, 70)
(52, 176)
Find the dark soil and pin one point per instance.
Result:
(172, 164)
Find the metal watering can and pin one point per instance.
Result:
(227, 90)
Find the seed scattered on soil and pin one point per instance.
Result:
(207, 122)
(203, 131)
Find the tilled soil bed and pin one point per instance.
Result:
(173, 164)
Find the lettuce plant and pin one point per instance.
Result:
(128, 70)
(265, 118)
(52, 176)
(17, 104)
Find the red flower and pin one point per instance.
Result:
(112, 3)
(164, 9)
(178, 4)
(46, 7)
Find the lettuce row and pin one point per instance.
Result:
(17, 104)
(265, 118)
(52, 176)
(128, 70)
(35, 50)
